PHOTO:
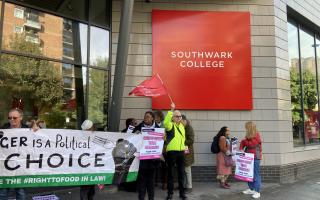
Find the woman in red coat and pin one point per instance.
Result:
(252, 144)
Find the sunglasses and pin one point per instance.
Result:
(11, 118)
(178, 116)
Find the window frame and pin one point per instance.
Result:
(298, 23)
(87, 22)
(16, 11)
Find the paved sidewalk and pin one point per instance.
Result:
(308, 189)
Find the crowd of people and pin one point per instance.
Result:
(178, 154)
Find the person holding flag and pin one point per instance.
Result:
(175, 140)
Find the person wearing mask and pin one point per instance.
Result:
(15, 117)
(87, 192)
(175, 140)
(223, 171)
(189, 154)
(147, 168)
(252, 144)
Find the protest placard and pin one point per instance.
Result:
(152, 143)
(244, 166)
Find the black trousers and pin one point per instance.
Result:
(175, 158)
(146, 183)
(87, 192)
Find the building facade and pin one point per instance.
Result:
(290, 134)
(70, 48)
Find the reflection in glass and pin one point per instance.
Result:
(42, 89)
(74, 42)
(310, 97)
(50, 36)
(318, 58)
(97, 97)
(295, 85)
(99, 47)
(99, 13)
(70, 8)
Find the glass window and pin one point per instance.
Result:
(318, 58)
(42, 91)
(100, 12)
(67, 69)
(295, 85)
(18, 29)
(68, 82)
(58, 92)
(97, 97)
(45, 35)
(18, 13)
(304, 86)
(71, 8)
(99, 47)
(309, 84)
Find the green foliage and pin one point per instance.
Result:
(36, 79)
(309, 93)
(55, 118)
(98, 81)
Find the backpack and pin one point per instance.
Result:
(215, 145)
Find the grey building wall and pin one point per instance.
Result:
(270, 77)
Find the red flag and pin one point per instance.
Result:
(151, 87)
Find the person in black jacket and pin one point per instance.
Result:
(129, 122)
(147, 168)
(15, 117)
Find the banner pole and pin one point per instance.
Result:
(164, 87)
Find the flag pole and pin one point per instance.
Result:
(165, 87)
(170, 98)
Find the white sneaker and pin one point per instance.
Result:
(248, 191)
(256, 195)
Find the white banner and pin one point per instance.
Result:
(244, 166)
(152, 143)
(56, 157)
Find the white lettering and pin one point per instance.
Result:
(173, 54)
(209, 54)
(201, 64)
(180, 54)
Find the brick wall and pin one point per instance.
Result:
(278, 174)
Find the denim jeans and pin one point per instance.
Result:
(20, 194)
(256, 184)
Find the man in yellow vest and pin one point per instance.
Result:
(175, 139)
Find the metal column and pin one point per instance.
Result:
(121, 64)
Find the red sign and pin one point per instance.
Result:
(203, 58)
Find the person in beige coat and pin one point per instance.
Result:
(189, 154)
